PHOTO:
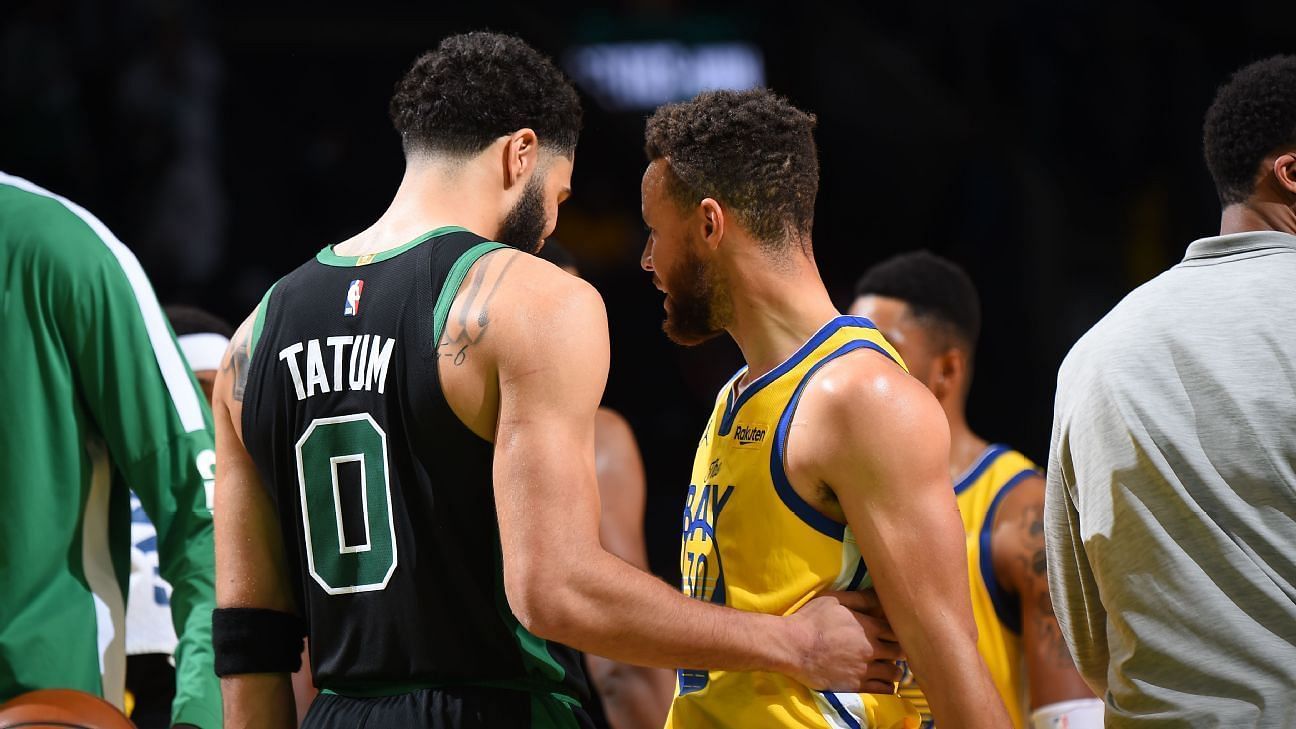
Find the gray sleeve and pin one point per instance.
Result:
(1076, 602)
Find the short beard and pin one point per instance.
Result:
(523, 227)
(700, 307)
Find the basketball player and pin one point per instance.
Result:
(1171, 510)
(203, 338)
(150, 638)
(99, 403)
(632, 697)
(927, 308)
(822, 455)
(406, 452)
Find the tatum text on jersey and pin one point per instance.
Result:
(370, 355)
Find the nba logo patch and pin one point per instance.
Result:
(353, 298)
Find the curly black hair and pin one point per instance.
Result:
(1253, 115)
(751, 150)
(477, 87)
(937, 290)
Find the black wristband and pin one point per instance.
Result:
(256, 640)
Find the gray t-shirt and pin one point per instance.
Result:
(1171, 507)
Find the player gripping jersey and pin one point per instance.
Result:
(751, 542)
(406, 432)
(823, 454)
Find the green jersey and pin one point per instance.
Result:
(97, 401)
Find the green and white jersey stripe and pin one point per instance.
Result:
(98, 401)
(170, 362)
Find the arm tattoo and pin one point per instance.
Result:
(1052, 643)
(236, 367)
(470, 325)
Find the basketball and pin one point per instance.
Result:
(61, 708)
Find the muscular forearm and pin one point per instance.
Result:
(959, 695)
(259, 701)
(601, 605)
(928, 605)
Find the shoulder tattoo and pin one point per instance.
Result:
(237, 363)
(474, 316)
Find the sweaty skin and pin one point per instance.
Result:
(868, 444)
(1018, 530)
(523, 364)
(633, 697)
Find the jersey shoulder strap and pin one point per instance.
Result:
(454, 279)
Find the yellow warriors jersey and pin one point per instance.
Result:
(752, 543)
(980, 490)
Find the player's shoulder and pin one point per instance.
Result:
(613, 431)
(538, 275)
(1022, 491)
(864, 408)
(868, 418)
(1007, 476)
(610, 421)
(53, 228)
(614, 441)
(861, 382)
(542, 292)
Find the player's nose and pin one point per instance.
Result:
(645, 259)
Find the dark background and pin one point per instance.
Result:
(1053, 149)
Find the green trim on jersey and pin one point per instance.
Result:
(329, 258)
(534, 651)
(553, 711)
(99, 399)
(59, 216)
(259, 322)
(452, 283)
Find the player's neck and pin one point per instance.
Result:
(430, 196)
(1258, 214)
(776, 309)
(965, 446)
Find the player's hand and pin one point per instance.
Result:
(845, 649)
(864, 601)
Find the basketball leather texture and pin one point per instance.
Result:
(61, 709)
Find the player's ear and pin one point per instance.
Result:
(712, 222)
(521, 156)
(1285, 171)
(949, 373)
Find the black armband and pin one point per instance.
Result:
(256, 640)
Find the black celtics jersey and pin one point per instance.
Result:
(384, 497)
